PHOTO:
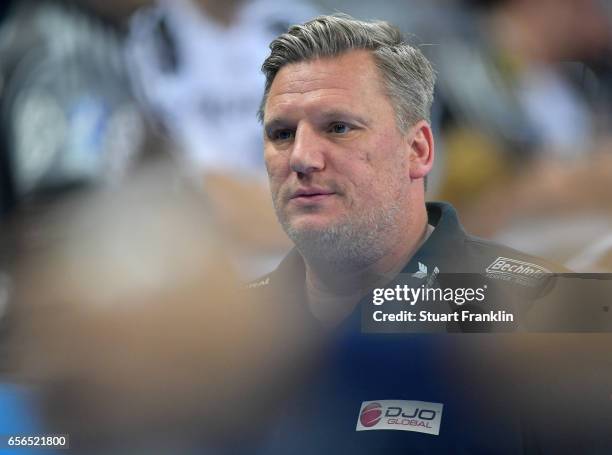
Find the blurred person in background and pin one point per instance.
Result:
(195, 66)
(525, 96)
(67, 112)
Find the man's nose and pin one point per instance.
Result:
(307, 154)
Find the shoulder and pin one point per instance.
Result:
(493, 257)
(466, 253)
(289, 276)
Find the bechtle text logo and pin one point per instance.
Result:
(508, 266)
(404, 415)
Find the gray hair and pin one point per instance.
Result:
(408, 76)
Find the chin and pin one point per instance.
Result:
(310, 224)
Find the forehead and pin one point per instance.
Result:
(352, 79)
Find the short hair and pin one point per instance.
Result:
(408, 76)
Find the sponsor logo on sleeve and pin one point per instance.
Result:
(402, 415)
(522, 272)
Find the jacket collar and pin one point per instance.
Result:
(445, 247)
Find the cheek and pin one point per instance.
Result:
(278, 169)
(388, 158)
(377, 173)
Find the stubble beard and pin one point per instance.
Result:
(355, 242)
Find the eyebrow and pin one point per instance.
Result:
(326, 116)
(275, 124)
(338, 114)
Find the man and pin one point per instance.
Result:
(348, 146)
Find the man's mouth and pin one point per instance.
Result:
(311, 194)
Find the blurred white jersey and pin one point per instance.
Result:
(203, 81)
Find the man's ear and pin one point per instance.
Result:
(421, 149)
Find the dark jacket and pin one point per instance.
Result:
(486, 399)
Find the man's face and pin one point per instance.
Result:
(336, 160)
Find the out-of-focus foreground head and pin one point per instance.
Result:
(408, 76)
(129, 322)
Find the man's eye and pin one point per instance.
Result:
(339, 128)
(282, 135)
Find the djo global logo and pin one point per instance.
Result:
(370, 415)
(403, 415)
